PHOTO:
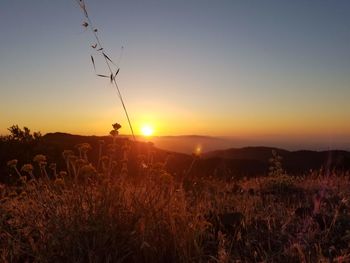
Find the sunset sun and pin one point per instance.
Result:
(147, 130)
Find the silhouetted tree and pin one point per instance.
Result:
(19, 135)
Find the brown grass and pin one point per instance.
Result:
(108, 215)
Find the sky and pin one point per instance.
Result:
(258, 69)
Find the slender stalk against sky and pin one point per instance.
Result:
(107, 60)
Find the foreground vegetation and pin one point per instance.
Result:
(104, 213)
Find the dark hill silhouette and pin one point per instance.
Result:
(234, 162)
(259, 153)
(293, 161)
(57, 142)
(53, 144)
(188, 143)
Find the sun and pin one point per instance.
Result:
(147, 130)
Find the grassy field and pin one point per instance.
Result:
(103, 213)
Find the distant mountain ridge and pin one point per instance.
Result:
(249, 160)
(293, 161)
(230, 162)
(251, 152)
(188, 143)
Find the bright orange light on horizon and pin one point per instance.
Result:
(147, 130)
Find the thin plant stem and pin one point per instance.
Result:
(83, 7)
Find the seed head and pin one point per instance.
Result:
(28, 168)
(62, 174)
(12, 163)
(39, 158)
(116, 126)
(67, 153)
(53, 166)
(88, 170)
(59, 182)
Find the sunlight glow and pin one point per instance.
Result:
(147, 130)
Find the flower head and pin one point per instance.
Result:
(80, 162)
(116, 126)
(28, 168)
(59, 182)
(67, 153)
(39, 158)
(84, 147)
(62, 174)
(53, 166)
(72, 158)
(88, 170)
(12, 163)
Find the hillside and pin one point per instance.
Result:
(229, 163)
(293, 161)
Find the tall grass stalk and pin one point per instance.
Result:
(99, 47)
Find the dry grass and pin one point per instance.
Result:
(108, 215)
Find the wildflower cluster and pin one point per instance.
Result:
(278, 181)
